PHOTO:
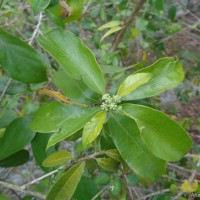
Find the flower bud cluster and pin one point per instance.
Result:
(110, 103)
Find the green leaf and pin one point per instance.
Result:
(133, 150)
(93, 128)
(163, 136)
(110, 31)
(66, 185)
(114, 154)
(166, 74)
(107, 164)
(76, 8)
(51, 115)
(57, 158)
(132, 82)
(39, 144)
(74, 89)
(72, 125)
(16, 137)
(14, 87)
(159, 5)
(21, 61)
(6, 117)
(172, 12)
(110, 25)
(88, 187)
(39, 5)
(16, 159)
(75, 58)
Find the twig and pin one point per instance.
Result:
(99, 193)
(155, 193)
(5, 89)
(126, 25)
(20, 189)
(92, 156)
(35, 33)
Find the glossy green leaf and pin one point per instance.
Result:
(14, 87)
(6, 117)
(39, 5)
(51, 115)
(57, 158)
(16, 159)
(166, 74)
(74, 89)
(107, 164)
(114, 154)
(16, 137)
(110, 25)
(111, 31)
(133, 150)
(66, 185)
(40, 152)
(72, 125)
(132, 82)
(93, 128)
(75, 58)
(163, 136)
(21, 61)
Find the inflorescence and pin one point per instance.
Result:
(110, 103)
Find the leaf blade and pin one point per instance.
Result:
(154, 127)
(74, 57)
(66, 185)
(93, 128)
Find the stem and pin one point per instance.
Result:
(20, 189)
(5, 89)
(127, 23)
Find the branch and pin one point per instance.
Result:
(36, 31)
(20, 189)
(155, 193)
(89, 157)
(127, 23)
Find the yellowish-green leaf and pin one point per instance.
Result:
(57, 158)
(93, 128)
(110, 25)
(66, 185)
(132, 82)
(110, 31)
(107, 164)
(189, 187)
(114, 154)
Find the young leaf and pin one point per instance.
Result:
(39, 5)
(50, 116)
(189, 187)
(57, 158)
(93, 128)
(114, 154)
(133, 150)
(108, 164)
(16, 137)
(16, 159)
(21, 61)
(72, 125)
(109, 25)
(163, 136)
(66, 185)
(132, 82)
(74, 89)
(75, 58)
(110, 31)
(166, 74)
